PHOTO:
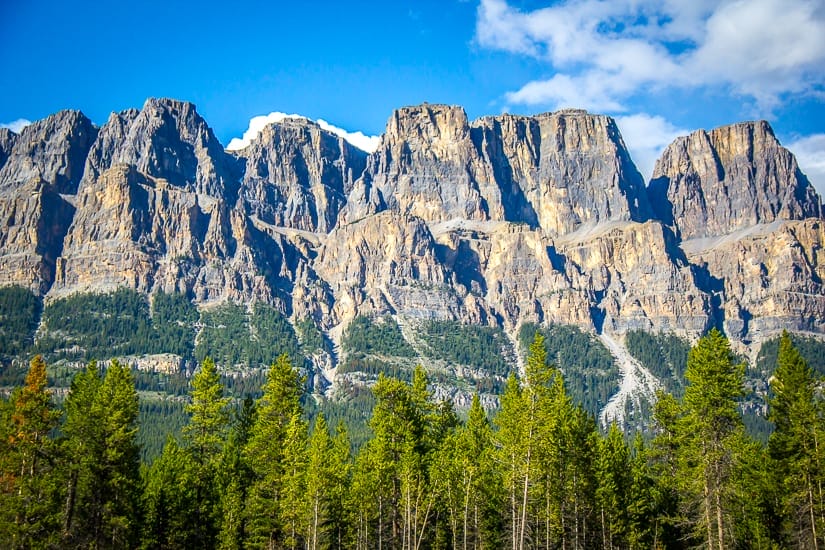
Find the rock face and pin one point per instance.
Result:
(713, 183)
(557, 171)
(571, 167)
(40, 169)
(497, 221)
(298, 175)
(52, 150)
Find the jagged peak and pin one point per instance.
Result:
(711, 183)
(435, 116)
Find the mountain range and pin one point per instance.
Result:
(505, 221)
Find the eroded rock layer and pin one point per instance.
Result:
(498, 221)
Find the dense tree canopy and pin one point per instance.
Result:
(539, 473)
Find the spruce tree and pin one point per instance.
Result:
(795, 444)
(115, 524)
(170, 496)
(31, 493)
(293, 504)
(264, 453)
(83, 447)
(712, 429)
(204, 437)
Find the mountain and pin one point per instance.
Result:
(503, 222)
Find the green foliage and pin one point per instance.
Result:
(376, 336)
(159, 417)
(795, 444)
(664, 355)
(540, 476)
(173, 319)
(104, 482)
(19, 313)
(358, 362)
(169, 499)
(101, 326)
(232, 336)
(704, 437)
(481, 347)
(810, 349)
(312, 339)
(29, 492)
(590, 373)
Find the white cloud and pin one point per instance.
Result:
(646, 138)
(599, 53)
(258, 123)
(810, 154)
(15, 126)
(363, 142)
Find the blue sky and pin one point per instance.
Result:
(661, 67)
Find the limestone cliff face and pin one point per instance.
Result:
(42, 168)
(713, 183)
(158, 208)
(7, 139)
(427, 166)
(52, 150)
(558, 171)
(500, 221)
(771, 275)
(166, 139)
(388, 263)
(298, 175)
(562, 170)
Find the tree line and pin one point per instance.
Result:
(538, 474)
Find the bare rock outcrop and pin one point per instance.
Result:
(166, 139)
(298, 175)
(563, 170)
(52, 150)
(499, 221)
(713, 183)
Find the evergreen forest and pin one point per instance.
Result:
(269, 471)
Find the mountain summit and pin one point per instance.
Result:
(499, 221)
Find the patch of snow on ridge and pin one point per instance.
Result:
(637, 384)
(258, 123)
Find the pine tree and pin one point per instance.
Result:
(102, 502)
(31, 494)
(264, 453)
(235, 478)
(471, 482)
(84, 449)
(614, 477)
(340, 473)
(293, 504)
(169, 499)
(795, 445)
(204, 438)
(118, 405)
(320, 485)
(511, 441)
(712, 427)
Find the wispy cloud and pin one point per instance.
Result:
(600, 53)
(810, 154)
(258, 123)
(647, 137)
(15, 126)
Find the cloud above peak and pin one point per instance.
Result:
(15, 126)
(258, 123)
(601, 53)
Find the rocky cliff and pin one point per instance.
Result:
(734, 177)
(499, 221)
